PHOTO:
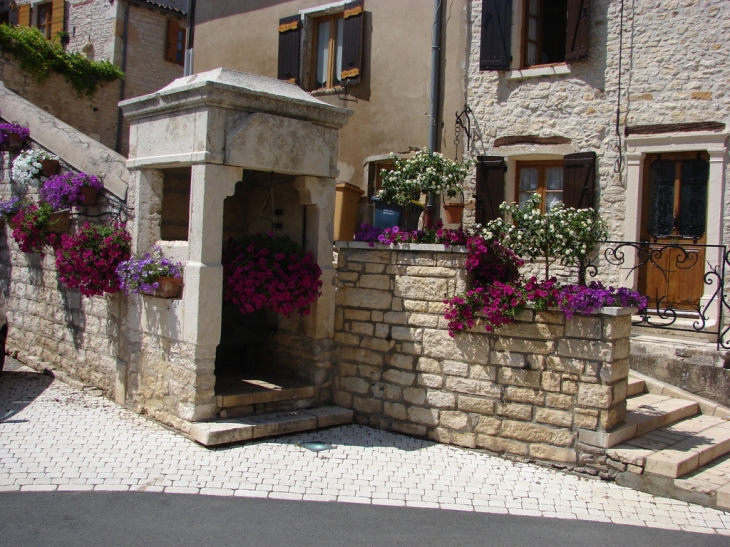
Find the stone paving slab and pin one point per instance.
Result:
(59, 438)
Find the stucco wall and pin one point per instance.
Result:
(392, 102)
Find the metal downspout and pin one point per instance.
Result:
(433, 133)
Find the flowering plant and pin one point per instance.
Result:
(8, 128)
(27, 167)
(88, 259)
(498, 303)
(33, 233)
(563, 234)
(265, 270)
(140, 274)
(11, 207)
(491, 261)
(586, 299)
(395, 235)
(423, 173)
(63, 191)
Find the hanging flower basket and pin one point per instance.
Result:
(59, 222)
(49, 167)
(89, 194)
(63, 191)
(169, 287)
(9, 208)
(12, 136)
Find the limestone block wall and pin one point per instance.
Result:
(49, 325)
(543, 387)
(96, 117)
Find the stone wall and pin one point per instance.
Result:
(543, 387)
(97, 116)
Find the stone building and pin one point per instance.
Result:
(147, 39)
(615, 105)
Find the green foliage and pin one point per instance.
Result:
(424, 173)
(40, 58)
(565, 234)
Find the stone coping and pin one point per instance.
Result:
(417, 247)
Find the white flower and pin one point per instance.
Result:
(27, 166)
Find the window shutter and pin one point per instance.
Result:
(352, 43)
(576, 46)
(496, 35)
(58, 14)
(24, 15)
(171, 51)
(579, 179)
(289, 46)
(489, 188)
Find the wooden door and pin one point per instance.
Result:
(674, 225)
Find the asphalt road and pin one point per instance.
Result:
(52, 519)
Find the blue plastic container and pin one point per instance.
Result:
(386, 215)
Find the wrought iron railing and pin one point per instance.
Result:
(704, 314)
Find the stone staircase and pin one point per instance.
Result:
(673, 444)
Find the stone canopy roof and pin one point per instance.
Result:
(179, 6)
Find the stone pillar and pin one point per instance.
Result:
(210, 185)
(317, 194)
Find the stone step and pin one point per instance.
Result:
(644, 413)
(240, 392)
(268, 425)
(636, 386)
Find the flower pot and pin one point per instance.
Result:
(89, 194)
(169, 287)
(15, 141)
(49, 167)
(59, 222)
(453, 212)
(11, 224)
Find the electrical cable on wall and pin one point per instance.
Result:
(618, 164)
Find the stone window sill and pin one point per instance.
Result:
(328, 91)
(538, 72)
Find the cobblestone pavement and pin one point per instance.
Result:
(64, 439)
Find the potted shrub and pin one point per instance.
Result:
(152, 274)
(423, 173)
(65, 191)
(31, 165)
(12, 136)
(38, 227)
(88, 259)
(9, 208)
(265, 270)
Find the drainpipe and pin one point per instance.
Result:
(433, 132)
(188, 70)
(122, 90)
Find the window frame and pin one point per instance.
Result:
(47, 8)
(525, 36)
(542, 166)
(332, 56)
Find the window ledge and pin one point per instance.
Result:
(537, 72)
(328, 91)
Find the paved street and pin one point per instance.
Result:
(61, 439)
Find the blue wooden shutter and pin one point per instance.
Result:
(289, 48)
(496, 35)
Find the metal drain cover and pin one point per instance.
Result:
(317, 446)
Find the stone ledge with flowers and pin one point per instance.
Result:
(528, 388)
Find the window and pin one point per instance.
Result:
(44, 19)
(570, 180)
(544, 32)
(175, 43)
(552, 31)
(327, 58)
(334, 46)
(545, 179)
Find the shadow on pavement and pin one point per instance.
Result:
(19, 388)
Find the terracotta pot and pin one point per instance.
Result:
(169, 287)
(90, 194)
(49, 167)
(453, 212)
(12, 224)
(59, 222)
(15, 141)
